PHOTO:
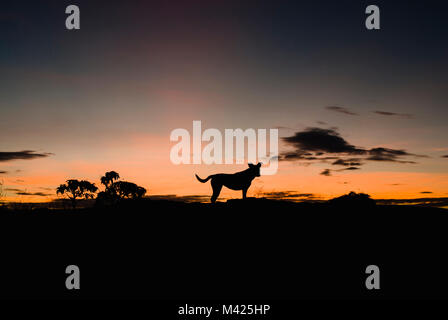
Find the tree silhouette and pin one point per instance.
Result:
(128, 190)
(109, 178)
(116, 191)
(75, 189)
(353, 199)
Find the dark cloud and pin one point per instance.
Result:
(352, 168)
(321, 123)
(21, 192)
(22, 155)
(426, 192)
(348, 162)
(321, 140)
(321, 145)
(305, 156)
(391, 155)
(327, 172)
(40, 194)
(3, 172)
(291, 195)
(425, 202)
(393, 114)
(445, 156)
(341, 110)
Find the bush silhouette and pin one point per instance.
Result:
(116, 191)
(353, 199)
(128, 190)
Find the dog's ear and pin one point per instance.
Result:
(259, 164)
(251, 165)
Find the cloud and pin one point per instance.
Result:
(283, 128)
(290, 195)
(21, 192)
(315, 143)
(47, 189)
(321, 140)
(3, 172)
(426, 192)
(347, 162)
(327, 172)
(341, 110)
(321, 145)
(391, 155)
(351, 168)
(425, 202)
(445, 156)
(393, 114)
(39, 194)
(22, 155)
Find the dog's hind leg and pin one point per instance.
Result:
(216, 191)
(244, 193)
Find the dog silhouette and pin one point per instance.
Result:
(236, 181)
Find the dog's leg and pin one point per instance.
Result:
(244, 193)
(216, 190)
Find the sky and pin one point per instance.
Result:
(357, 110)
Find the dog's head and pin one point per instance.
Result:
(255, 169)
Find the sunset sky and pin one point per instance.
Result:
(78, 103)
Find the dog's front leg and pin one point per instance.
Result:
(244, 193)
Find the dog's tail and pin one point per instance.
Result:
(203, 180)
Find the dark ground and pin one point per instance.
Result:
(253, 249)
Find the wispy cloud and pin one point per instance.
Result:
(290, 195)
(426, 202)
(348, 162)
(393, 114)
(391, 155)
(13, 190)
(341, 110)
(22, 192)
(39, 194)
(328, 172)
(350, 169)
(22, 155)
